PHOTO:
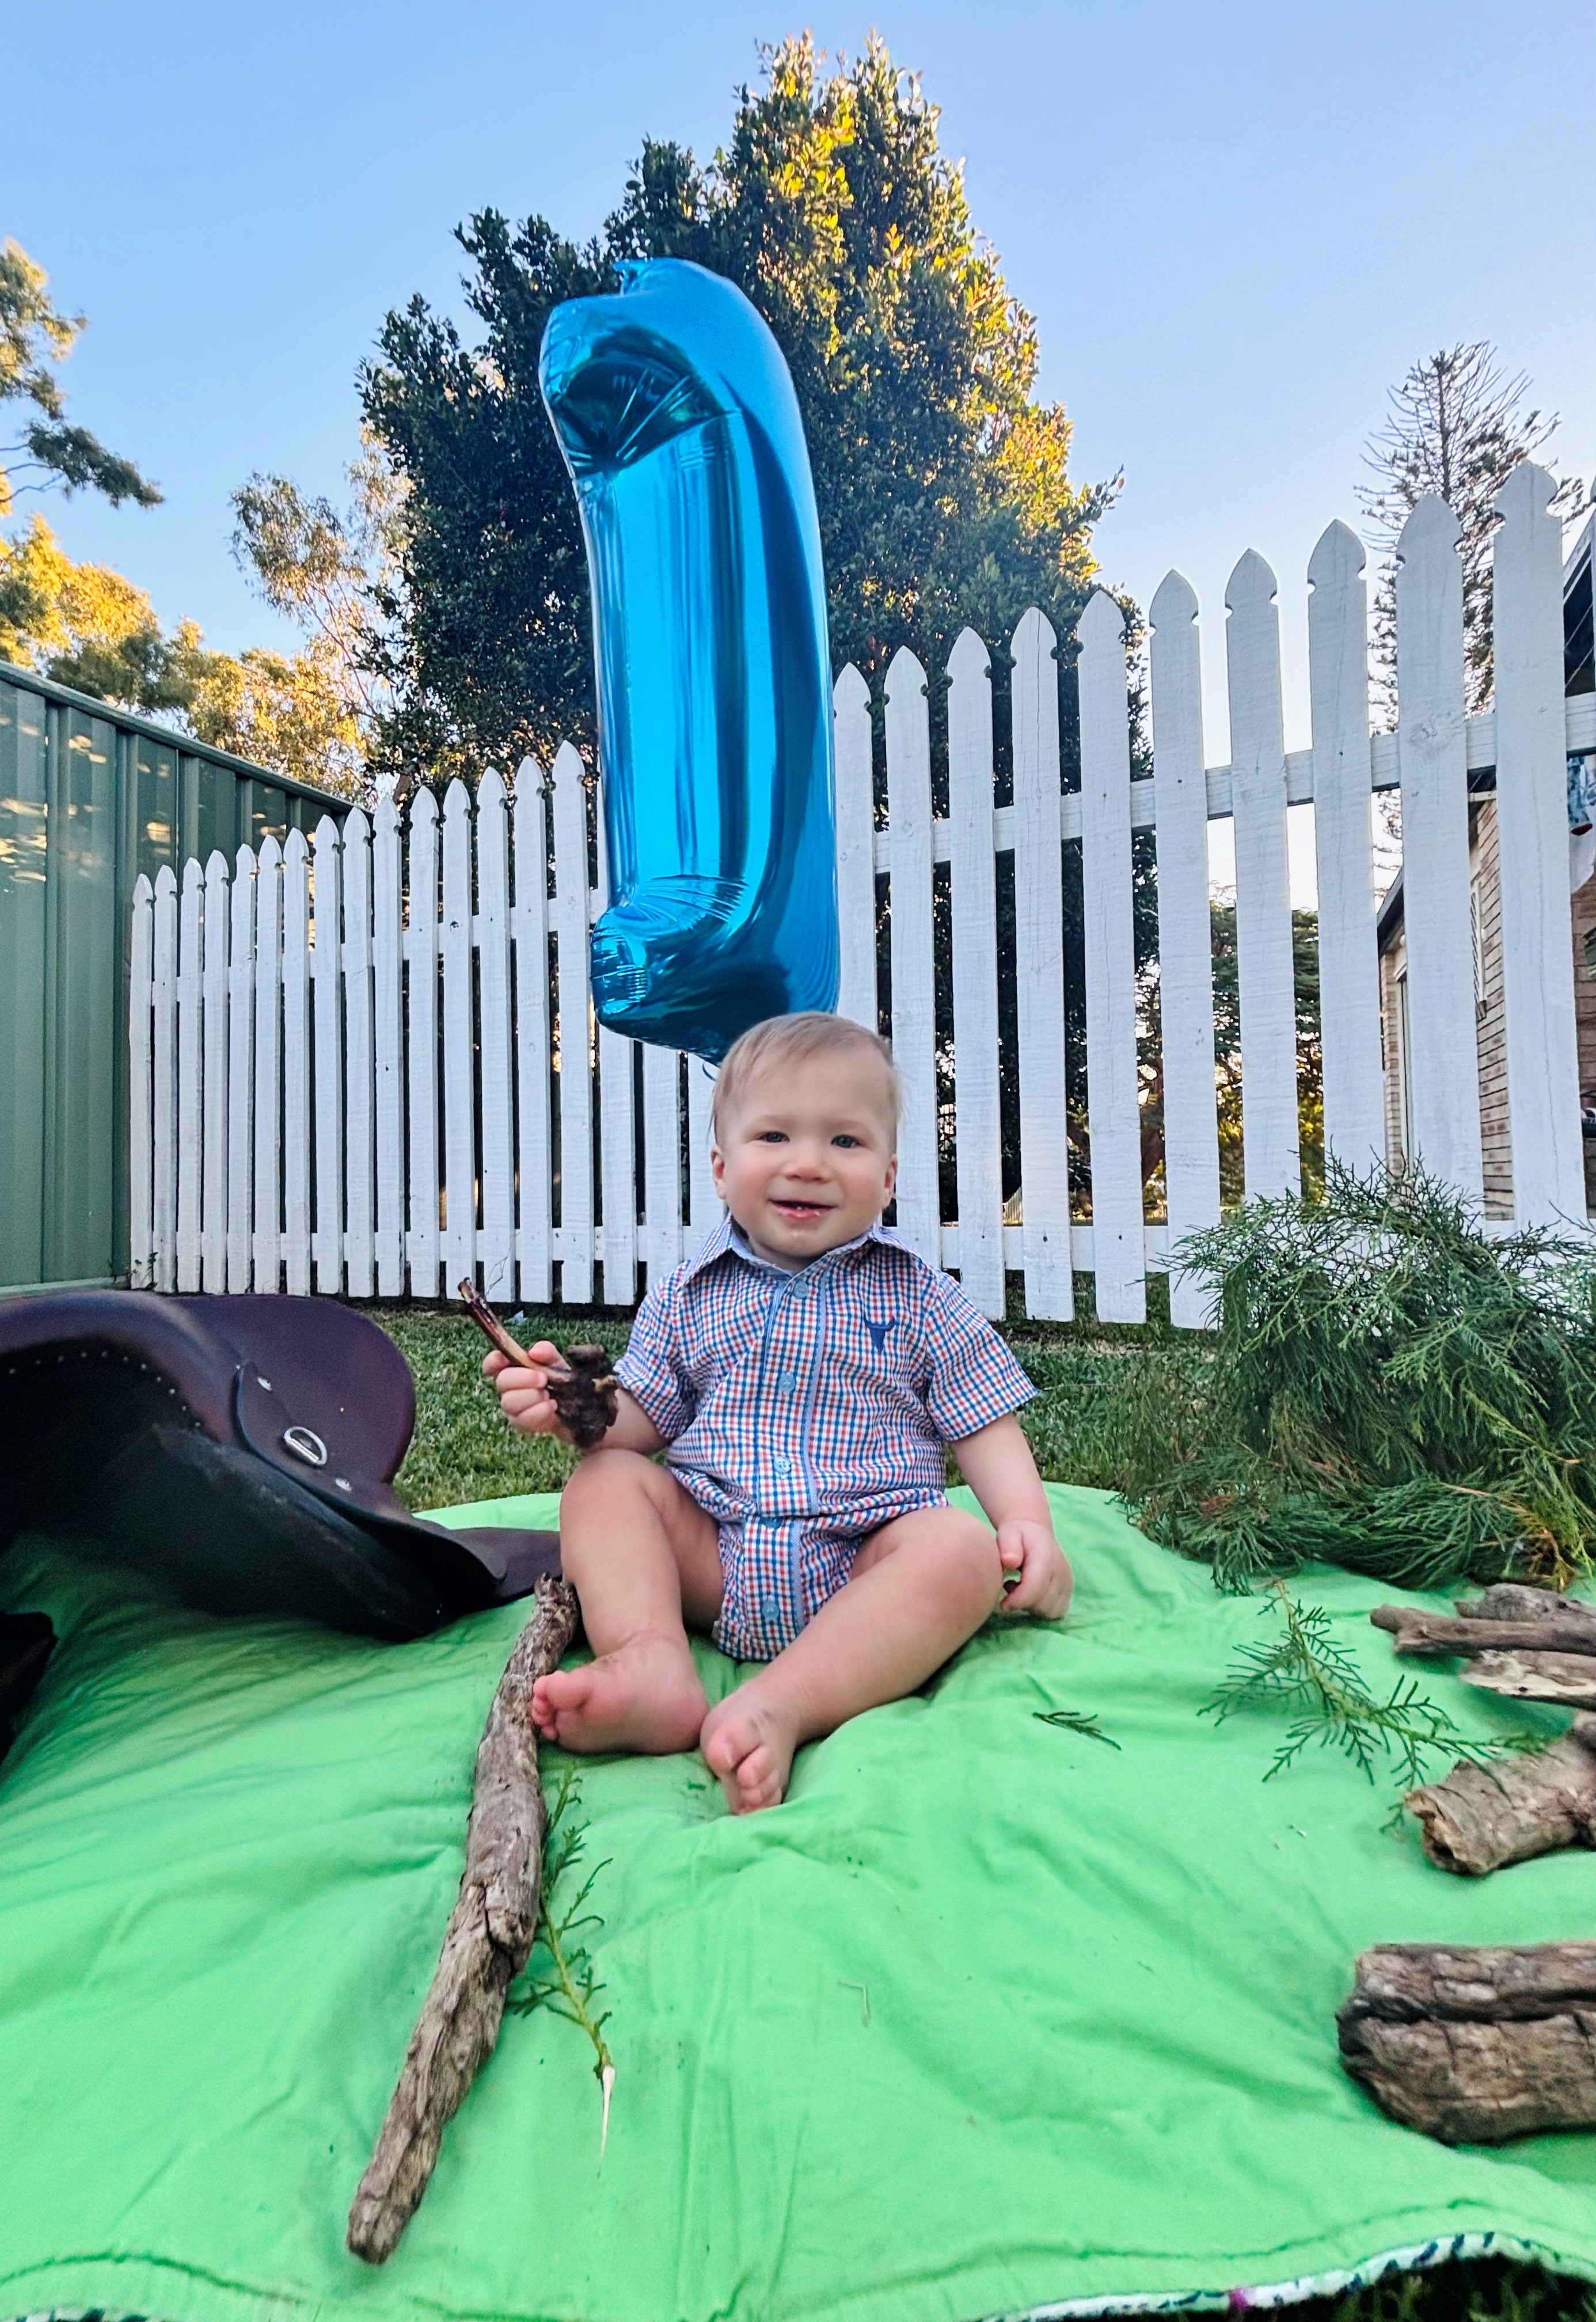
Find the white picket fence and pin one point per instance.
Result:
(368, 1066)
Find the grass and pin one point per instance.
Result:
(1097, 1387)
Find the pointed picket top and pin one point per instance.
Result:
(905, 675)
(529, 779)
(1251, 582)
(243, 863)
(1525, 498)
(569, 767)
(490, 790)
(423, 807)
(356, 828)
(192, 877)
(295, 851)
(1035, 633)
(165, 881)
(969, 661)
(851, 693)
(271, 855)
(1103, 621)
(328, 833)
(1431, 525)
(142, 889)
(1337, 559)
(1174, 600)
(457, 802)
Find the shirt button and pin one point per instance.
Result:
(782, 1464)
(787, 1381)
(771, 1606)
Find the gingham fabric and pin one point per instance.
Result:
(805, 1409)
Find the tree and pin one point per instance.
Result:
(35, 337)
(942, 483)
(1456, 428)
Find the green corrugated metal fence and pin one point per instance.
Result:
(89, 798)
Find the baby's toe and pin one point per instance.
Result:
(758, 1781)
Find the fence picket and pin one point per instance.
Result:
(241, 1092)
(914, 973)
(576, 1086)
(706, 1210)
(662, 1156)
(297, 1063)
(359, 1249)
(856, 854)
(1349, 959)
(1532, 832)
(459, 1076)
(213, 1056)
(616, 1134)
(979, 1141)
(1118, 1235)
(1266, 973)
(1444, 1072)
(267, 1252)
(190, 1086)
(1039, 974)
(140, 1226)
(493, 1034)
(1185, 940)
(534, 1158)
(388, 1017)
(331, 1099)
(163, 1203)
(421, 954)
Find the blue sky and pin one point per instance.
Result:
(1235, 223)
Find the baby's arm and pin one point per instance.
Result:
(996, 1463)
(524, 1399)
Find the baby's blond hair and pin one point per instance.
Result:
(789, 1040)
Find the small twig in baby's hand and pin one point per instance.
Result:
(583, 1390)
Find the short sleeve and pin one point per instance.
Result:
(650, 1368)
(974, 1378)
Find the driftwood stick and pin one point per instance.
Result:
(486, 1944)
(1568, 1679)
(1437, 1633)
(1483, 1817)
(1475, 2047)
(1513, 1600)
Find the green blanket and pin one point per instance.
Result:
(988, 2018)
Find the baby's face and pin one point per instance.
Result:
(806, 1162)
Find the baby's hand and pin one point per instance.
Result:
(523, 1394)
(1027, 1548)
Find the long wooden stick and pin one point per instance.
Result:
(485, 1945)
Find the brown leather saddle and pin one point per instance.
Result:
(241, 1452)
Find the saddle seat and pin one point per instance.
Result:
(240, 1451)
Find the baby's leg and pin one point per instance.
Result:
(640, 1553)
(922, 1585)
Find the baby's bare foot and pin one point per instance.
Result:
(644, 1696)
(748, 1740)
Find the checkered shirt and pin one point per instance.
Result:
(804, 1410)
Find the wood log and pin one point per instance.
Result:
(1513, 1600)
(1568, 1679)
(1483, 1817)
(1417, 1632)
(486, 1943)
(1475, 2047)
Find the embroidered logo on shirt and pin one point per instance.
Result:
(878, 1332)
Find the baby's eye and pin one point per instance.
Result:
(771, 1137)
(845, 1140)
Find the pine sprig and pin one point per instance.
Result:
(1075, 1721)
(560, 1974)
(1305, 1670)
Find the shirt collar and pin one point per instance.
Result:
(726, 1241)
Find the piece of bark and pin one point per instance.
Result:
(1437, 1633)
(1475, 2047)
(485, 1945)
(1482, 1817)
(1569, 1679)
(1514, 1600)
(586, 1400)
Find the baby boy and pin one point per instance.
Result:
(803, 1375)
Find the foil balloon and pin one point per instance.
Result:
(680, 426)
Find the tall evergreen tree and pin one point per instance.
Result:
(942, 481)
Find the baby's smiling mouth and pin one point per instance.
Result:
(787, 1207)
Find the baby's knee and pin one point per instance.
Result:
(604, 1476)
(973, 1565)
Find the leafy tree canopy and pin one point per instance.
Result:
(941, 482)
(35, 339)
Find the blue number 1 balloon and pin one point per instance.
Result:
(681, 429)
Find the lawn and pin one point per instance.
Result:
(1091, 1382)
